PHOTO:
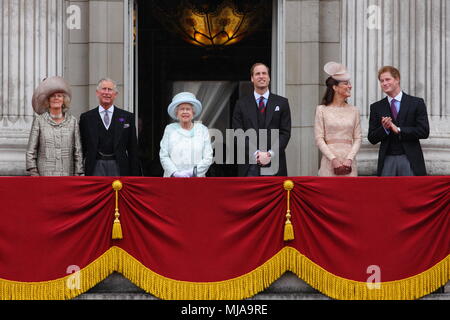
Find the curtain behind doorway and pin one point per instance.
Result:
(215, 99)
(216, 112)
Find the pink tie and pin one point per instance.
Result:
(393, 109)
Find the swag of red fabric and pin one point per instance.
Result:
(215, 229)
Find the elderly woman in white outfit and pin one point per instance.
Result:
(186, 146)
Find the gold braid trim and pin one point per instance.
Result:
(63, 288)
(245, 286)
(237, 288)
(344, 289)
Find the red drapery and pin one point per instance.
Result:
(213, 230)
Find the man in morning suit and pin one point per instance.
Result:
(398, 121)
(108, 136)
(263, 110)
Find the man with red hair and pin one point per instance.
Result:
(398, 121)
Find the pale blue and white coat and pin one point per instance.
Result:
(183, 149)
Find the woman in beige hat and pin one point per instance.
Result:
(186, 146)
(54, 146)
(337, 126)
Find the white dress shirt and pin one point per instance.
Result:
(266, 98)
(102, 111)
(265, 95)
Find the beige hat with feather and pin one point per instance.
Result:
(337, 71)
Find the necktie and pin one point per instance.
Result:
(261, 105)
(106, 118)
(393, 109)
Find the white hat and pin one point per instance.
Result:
(45, 89)
(337, 71)
(184, 97)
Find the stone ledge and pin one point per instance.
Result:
(290, 296)
(115, 296)
(146, 296)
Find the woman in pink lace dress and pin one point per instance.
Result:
(337, 126)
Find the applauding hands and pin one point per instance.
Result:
(387, 123)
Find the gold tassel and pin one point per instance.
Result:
(288, 231)
(288, 228)
(117, 228)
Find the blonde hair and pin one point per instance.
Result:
(66, 101)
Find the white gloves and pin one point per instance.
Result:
(263, 158)
(183, 174)
(34, 172)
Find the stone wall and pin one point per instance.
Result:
(312, 39)
(31, 48)
(95, 51)
(413, 36)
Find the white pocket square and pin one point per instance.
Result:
(126, 125)
(277, 108)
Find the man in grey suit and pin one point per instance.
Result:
(263, 110)
(398, 122)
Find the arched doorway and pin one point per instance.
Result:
(166, 64)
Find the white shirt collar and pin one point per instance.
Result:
(265, 95)
(110, 109)
(397, 97)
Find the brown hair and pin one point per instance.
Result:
(252, 69)
(392, 70)
(329, 93)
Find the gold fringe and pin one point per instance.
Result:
(237, 288)
(245, 286)
(344, 289)
(63, 288)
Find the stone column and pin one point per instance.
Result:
(302, 83)
(31, 48)
(100, 47)
(312, 39)
(415, 37)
